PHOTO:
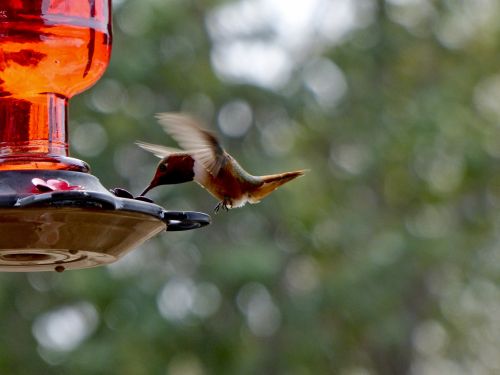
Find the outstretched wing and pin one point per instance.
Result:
(201, 144)
(157, 150)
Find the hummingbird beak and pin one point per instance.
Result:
(159, 174)
(150, 186)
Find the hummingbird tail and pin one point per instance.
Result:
(274, 181)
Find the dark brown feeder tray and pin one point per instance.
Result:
(59, 230)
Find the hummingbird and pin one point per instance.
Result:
(204, 160)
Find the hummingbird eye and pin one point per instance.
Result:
(162, 167)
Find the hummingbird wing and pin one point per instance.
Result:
(200, 143)
(157, 150)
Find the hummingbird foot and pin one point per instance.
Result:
(224, 204)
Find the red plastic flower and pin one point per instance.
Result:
(42, 186)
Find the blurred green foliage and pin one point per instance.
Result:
(381, 260)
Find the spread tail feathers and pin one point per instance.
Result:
(273, 181)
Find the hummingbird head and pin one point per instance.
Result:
(172, 169)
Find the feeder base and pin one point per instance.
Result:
(55, 239)
(72, 229)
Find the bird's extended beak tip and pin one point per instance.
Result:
(148, 188)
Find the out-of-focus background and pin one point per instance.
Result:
(383, 259)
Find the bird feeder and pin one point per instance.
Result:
(55, 215)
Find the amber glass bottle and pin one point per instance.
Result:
(50, 50)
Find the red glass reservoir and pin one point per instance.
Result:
(50, 50)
